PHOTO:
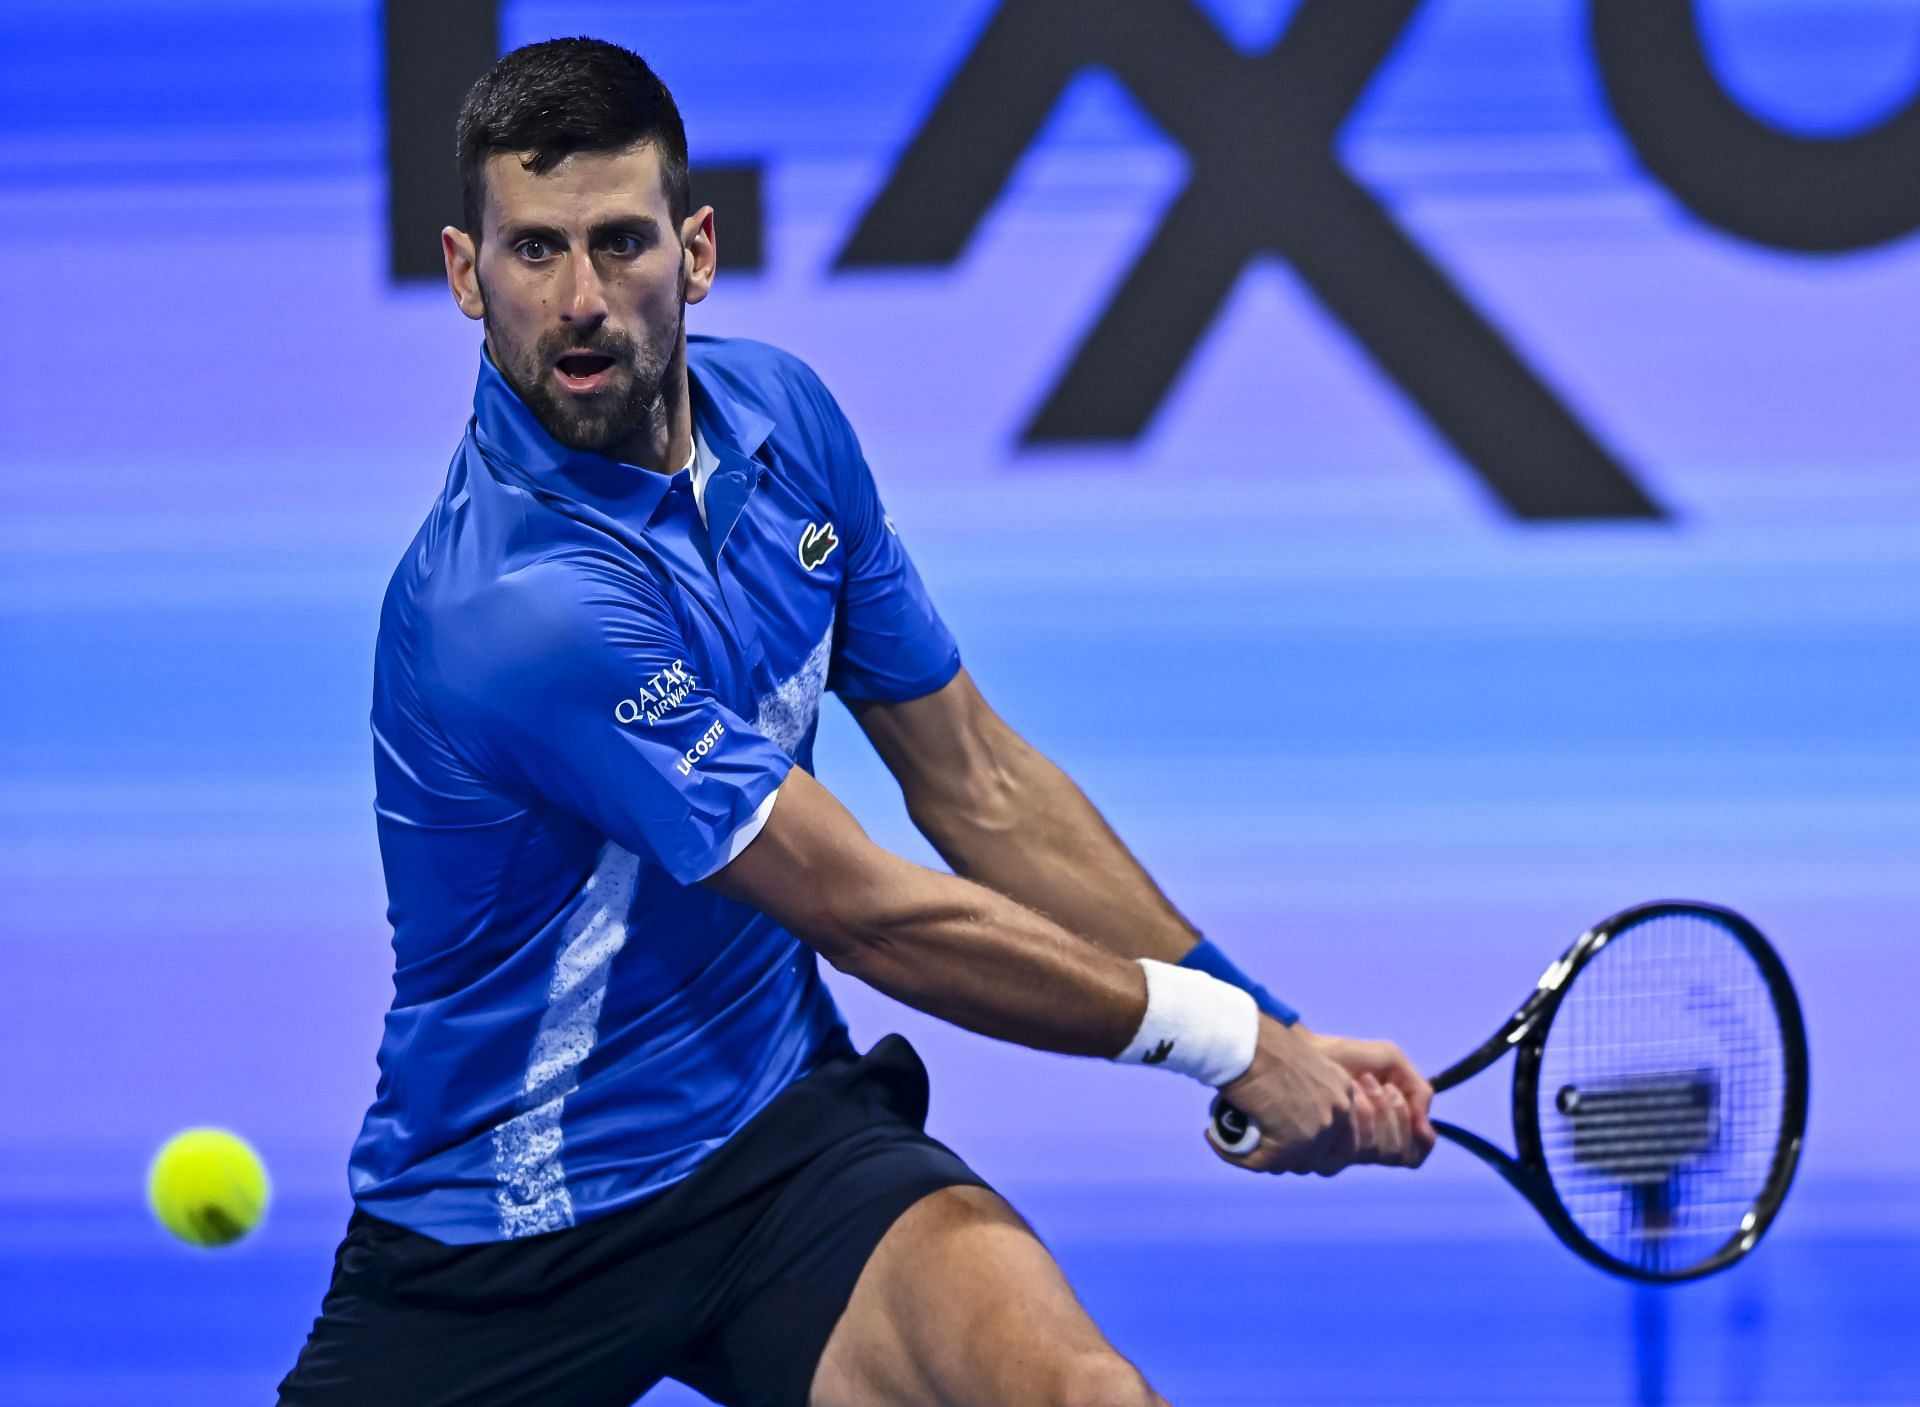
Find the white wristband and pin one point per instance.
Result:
(1195, 1024)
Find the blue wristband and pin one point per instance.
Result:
(1210, 960)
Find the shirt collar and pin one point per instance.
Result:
(726, 432)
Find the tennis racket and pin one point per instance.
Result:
(1659, 1092)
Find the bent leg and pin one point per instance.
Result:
(961, 1306)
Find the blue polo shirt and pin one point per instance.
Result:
(589, 683)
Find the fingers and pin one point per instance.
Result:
(1394, 1122)
(1423, 1135)
(1387, 1062)
(1382, 1131)
(1422, 1145)
(1414, 1144)
(1423, 1116)
(1348, 1136)
(1417, 1093)
(1383, 1122)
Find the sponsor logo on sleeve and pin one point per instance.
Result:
(659, 696)
(817, 544)
(693, 756)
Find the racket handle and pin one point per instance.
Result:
(1230, 1130)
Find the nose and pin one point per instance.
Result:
(586, 296)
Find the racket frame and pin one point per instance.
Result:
(1525, 1034)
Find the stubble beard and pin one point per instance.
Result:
(597, 423)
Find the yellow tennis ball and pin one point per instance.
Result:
(207, 1186)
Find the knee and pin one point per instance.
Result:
(1101, 1380)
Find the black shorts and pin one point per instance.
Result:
(729, 1281)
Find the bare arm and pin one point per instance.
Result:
(940, 944)
(1003, 815)
(959, 951)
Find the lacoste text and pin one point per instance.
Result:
(691, 757)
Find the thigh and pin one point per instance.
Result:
(783, 1289)
(960, 1305)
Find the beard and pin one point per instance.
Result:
(602, 422)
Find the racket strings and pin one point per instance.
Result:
(1662, 1090)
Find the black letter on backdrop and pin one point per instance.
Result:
(1259, 133)
(1809, 194)
(435, 50)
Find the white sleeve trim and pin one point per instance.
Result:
(749, 828)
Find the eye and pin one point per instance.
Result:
(533, 250)
(623, 246)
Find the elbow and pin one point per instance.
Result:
(982, 804)
(848, 919)
(825, 925)
(831, 933)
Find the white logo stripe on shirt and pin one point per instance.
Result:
(784, 715)
(532, 1196)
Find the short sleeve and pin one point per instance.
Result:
(889, 642)
(571, 681)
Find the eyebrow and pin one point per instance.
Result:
(617, 224)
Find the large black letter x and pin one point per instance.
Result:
(1259, 131)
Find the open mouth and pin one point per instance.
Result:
(583, 371)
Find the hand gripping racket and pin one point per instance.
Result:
(1659, 1092)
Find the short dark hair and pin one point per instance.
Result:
(562, 96)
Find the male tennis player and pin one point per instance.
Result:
(620, 1132)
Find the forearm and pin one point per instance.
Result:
(942, 944)
(959, 951)
(1031, 834)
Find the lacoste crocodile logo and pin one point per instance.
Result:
(817, 544)
(1158, 1054)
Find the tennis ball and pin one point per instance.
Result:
(207, 1186)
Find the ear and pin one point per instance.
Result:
(699, 251)
(463, 277)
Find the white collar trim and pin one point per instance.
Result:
(700, 466)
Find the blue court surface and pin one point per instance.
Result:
(1388, 744)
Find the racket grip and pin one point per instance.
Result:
(1229, 1130)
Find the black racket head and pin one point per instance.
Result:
(1662, 1096)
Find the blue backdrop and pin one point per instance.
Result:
(1389, 744)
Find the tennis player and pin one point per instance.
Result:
(620, 1132)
